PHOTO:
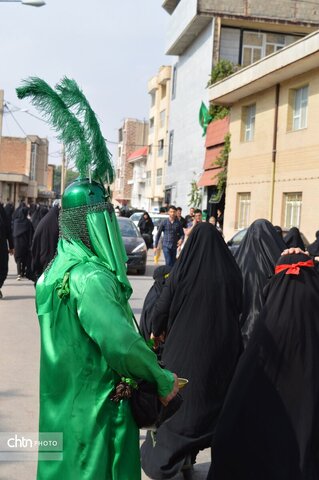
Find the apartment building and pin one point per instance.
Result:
(24, 170)
(138, 159)
(132, 135)
(273, 168)
(159, 89)
(201, 32)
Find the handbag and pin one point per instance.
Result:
(147, 409)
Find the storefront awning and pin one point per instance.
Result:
(209, 177)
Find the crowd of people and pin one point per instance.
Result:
(241, 328)
(29, 233)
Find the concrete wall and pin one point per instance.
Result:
(297, 166)
(193, 69)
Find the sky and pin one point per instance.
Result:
(110, 47)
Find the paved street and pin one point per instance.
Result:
(19, 366)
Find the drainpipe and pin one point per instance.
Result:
(274, 154)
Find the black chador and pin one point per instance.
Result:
(199, 311)
(257, 257)
(269, 425)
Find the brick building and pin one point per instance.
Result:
(24, 170)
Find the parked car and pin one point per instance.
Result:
(236, 240)
(134, 245)
(157, 218)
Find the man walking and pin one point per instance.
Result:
(173, 236)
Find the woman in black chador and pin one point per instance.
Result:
(22, 239)
(199, 312)
(293, 239)
(257, 257)
(269, 425)
(146, 227)
(313, 248)
(160, 276)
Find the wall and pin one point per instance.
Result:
(193, 69)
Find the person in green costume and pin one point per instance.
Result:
(88, 338)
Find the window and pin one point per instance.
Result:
(160, 147)
(248, 123)
(152, 99)
(170, 147)
(292, 209)
(300, 107)
(274, 42)
(119, 151)
(150, 149)
(159, 176)
(174, 80)
(243, 210)
(252, 47)
(162, 118)
(151, 130)
(33, 161)
(148, 178)
(163, 90)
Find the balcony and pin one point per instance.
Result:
(164, 74)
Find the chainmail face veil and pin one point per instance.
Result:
(95, 227)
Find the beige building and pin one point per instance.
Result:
(138, 160)
(24, 170)
(132, 135)
(273, 169)
(159, 89)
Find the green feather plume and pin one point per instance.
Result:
(64, 122)
(74, 98)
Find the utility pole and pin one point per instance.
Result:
(63, 170)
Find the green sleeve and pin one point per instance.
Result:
(106, 322)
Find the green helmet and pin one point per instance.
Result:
(84, 192)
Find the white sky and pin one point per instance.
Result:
(110, 47)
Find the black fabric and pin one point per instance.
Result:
(38, 214)
(313, 248)
(9, 210)
(256, 257)
(269, 425)
(293, 239)
(22, 239)
(45, 241)
(160, 277)
(6, 242)
(199, 309)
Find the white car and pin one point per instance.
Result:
(157, 218)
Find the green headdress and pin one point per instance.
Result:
(87, 220)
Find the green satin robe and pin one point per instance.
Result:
(88, 341)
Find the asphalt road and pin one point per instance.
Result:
(19, 366)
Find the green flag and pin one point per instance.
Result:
(204, 117)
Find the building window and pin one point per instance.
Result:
(174, 80)
(150, 149)
(151, 127)
(152, 99)
(243, 210)
(159, 176)
(148, 178)
(160, 147)
(248, 123)
(170, 147)
(33, 162)
(299, 102)
(163, 90)
(252, 47)
(162, 118)
(120, 135)
(292, 209)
